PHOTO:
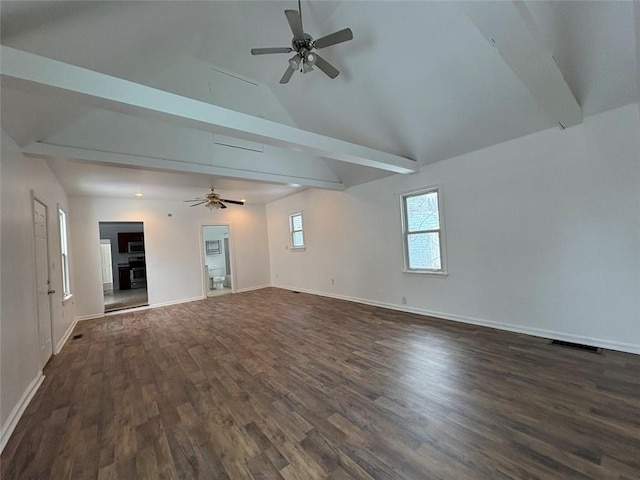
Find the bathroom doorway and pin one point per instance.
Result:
(217, 271)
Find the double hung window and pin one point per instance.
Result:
(422, 231)
(64, 247)
(295, 226)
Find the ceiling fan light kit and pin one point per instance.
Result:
(309, 58)
(214, 205)
(294, 62)
(303, 44)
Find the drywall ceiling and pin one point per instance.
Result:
(419, 79)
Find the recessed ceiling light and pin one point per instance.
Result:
(138, 194)
(243, 200)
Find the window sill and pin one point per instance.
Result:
(297, 249)
(66, 298)
(427, 272)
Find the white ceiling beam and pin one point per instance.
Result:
(509, 27)
(46, 150)
(36, 74)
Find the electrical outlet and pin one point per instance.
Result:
(332, 281)
(404, 300)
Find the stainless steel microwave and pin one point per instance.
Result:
(135, 247)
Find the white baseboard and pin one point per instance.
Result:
(137, 309)
(249, 289)
(536, 332)
(18, 410)
(66, 336)
(81, 318)
(173, 302)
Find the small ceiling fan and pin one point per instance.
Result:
(212, 200)
(303, 44)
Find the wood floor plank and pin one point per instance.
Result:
(273, 384)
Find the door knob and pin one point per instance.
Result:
(51, 292)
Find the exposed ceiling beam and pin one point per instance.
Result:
(509, 27)
(36, 74)
(46, 150)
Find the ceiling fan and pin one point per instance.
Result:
(303, 44)
(212, 200)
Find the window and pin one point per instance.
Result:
(64, 247)
(295, 225)
(212, 247)
(422, 231)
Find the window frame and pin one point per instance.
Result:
(65, 272)
(293, 246)
(442, 271)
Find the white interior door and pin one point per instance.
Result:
(107, 270)
(42, 281)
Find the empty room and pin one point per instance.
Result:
(254, 239)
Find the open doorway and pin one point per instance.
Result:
(124, 271)
(217, 260)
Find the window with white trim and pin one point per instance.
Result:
(295, 226)
(64, 247)
(422, 231)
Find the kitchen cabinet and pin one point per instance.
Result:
(125, 237)
(124, 277)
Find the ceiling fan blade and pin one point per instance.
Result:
(266, 51)
(336, 37)
(194, 200)
(196, 204)
(326, 67)
(287, 75)
(235, 202)
(222, 205)
(295, 23)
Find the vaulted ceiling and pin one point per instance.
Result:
(421, 80)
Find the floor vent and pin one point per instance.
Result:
(577, 346)
(75, 337)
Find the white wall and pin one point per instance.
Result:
(542, 236)
(18, 317)
(173, 244)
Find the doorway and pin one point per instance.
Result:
(106, 260)
(217, 273)
(124, 270)
(43, 283)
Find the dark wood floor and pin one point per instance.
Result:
(273, 384)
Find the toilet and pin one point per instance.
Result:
(217, 278)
